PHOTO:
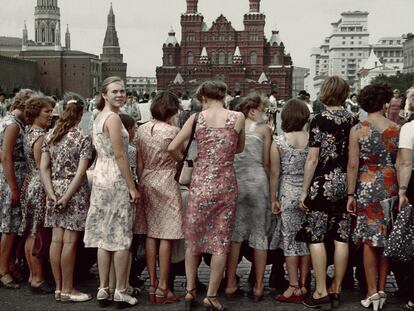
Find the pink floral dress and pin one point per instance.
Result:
(210, 215)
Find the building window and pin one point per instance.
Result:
(213, 58)
(229, 57)
(253, 58)
(169, 60)
(190, 58)
(222, 58)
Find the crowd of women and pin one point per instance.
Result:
(296, 191)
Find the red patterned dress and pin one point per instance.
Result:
(377, 181)
(210, 216)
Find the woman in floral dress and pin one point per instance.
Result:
(287, 158)
(161, 193)
(210, 216)
(324, 189)
(38, 113)
(65, 159)
(12, 173)
(253, 218)
(114, 194)
(371, 173)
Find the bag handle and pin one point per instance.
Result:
(191, 137)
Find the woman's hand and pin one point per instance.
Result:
(351, 205)
(275, 205)
(403, 201)
(134, 195)
(15, 197)
(61, 203)
(302, 199)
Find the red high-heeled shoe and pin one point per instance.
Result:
(165, 298)
(292, 298)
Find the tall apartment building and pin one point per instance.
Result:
(345, 52)
(408, 53)
(319, 68)
(349, 46)
(389, 51)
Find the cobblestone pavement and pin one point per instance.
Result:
(23, 299)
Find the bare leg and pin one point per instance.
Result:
(292, 263)
(191, 266)
(112, 277)
(55, 252)
(383, 271)
(129, 267)
(165, 260)
(371, 269)
(340, 263)
(232, 262)
(260, 258)
(318, 256)
(151, 250)
(104, 265)
(28, 245)
(304, 265)
(6, 249)
(121, 268)
(68, 260)
(218, 263)
(37, 267)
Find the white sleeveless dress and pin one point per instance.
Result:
(110, 217)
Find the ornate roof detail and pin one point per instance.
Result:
(178, 79)
(171, 38)
(204, 57)
(111, 36)
(263, 78)
(237, 58)
(275, 38)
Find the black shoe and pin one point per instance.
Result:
(335, 299)
(236, 294)
(43, 288)
(323, 303)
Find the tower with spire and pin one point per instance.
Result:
(112, 59)
(47, 25)
(245, 59)
(67, 38)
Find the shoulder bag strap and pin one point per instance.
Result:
(191, 137)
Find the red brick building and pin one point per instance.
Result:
(244, 59)
(58, 68)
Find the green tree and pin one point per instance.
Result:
(401, 81)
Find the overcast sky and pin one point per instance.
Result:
(143, 26)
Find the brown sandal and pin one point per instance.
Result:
(8, 283)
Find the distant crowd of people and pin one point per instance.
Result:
(312, 189)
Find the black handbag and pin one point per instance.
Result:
(185, 167)
(400, 243)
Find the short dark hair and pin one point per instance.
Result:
(164, 105)
(212, 89)
(373, 97)
(334, 91)
(294, 115)
(127, 120)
